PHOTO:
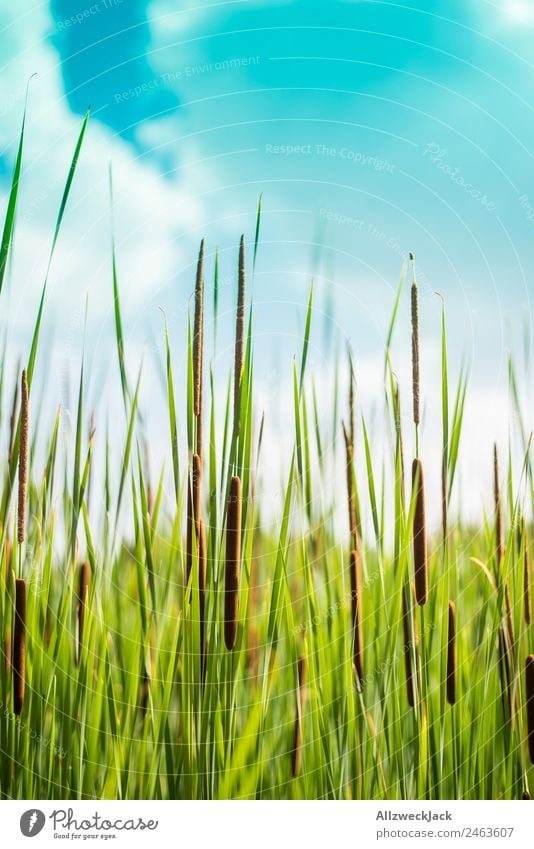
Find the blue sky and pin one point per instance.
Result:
(371, 128)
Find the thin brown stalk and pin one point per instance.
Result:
(351, 498)
(85, 577)
(193, 511)
(419, 534)
(409, 645)
(239, 333)
(499, 523)
(415, 346)
(19, 647)
(529, 686)
(198, 346)
(356, 595)
(451, 655)
(23, 458)
(296, 755)
(233, 557)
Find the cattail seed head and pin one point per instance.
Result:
(85, 577)
(23, 458)
(233, 557)
(525, 795)
(239, 332)
(296, 759)
(356, 594)
(19, 647)
(451, 655)
(529, 687)
(415, 345)
(419, 534)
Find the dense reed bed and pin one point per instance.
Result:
(348, 651)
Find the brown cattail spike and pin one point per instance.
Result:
(409, 645)
(233, 557)
(499, 525)
(19, 646)
(198, 340)
(239, 333)
(415, 346)
(85, 577)
(529, 686)
(193, 510)
(451, 655)
(419, 534)
(356, 594)
(525, 795)
(23, 458)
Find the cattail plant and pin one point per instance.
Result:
(356, 595)
(409, 644)
(419, 534)
(529, 687)
(233, 557)
(23, 458)
(83, 592)
(451, 655)
(193, 511)
(19, 647)
(415, 346)
(239, 333)
(296, 759)
(198, 347)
